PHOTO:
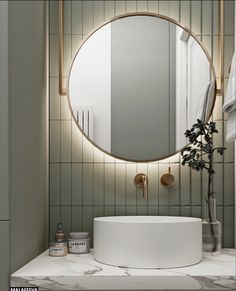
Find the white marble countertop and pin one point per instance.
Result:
(82, 272)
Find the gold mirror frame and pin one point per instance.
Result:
(66, 91)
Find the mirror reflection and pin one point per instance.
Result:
(137, 83)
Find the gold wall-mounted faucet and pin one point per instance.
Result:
(141, 181)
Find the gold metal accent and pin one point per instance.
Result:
(167, 179)
(213, 75)
(141, 181)
(62, 90)
(221, 47)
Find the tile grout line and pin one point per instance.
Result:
(201, 189)
(71, 212)
(49, 124)
(222, 142)
(82, 152)
(93, 147)
(169, 191)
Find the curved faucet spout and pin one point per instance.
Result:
(145, 186)
(141, 181)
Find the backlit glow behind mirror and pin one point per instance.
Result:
(137, 83)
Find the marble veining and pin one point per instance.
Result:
(82, 272)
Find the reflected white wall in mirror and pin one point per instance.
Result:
(136, 84)
(192, 79)
(90, 87)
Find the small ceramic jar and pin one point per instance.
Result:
(58, 249)
(79, 243)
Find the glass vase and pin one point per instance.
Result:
(211, 229)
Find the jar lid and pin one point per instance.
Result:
(79, 235)
(55, 243)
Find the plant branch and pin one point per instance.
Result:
(200, 137)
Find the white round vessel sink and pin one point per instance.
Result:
(148, 241)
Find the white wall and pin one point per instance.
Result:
(181, 88)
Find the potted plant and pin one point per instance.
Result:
(199, 156)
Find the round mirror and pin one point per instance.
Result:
(137, 83)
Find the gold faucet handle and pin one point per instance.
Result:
(167, 179)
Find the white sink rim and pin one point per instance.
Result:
(147, 219)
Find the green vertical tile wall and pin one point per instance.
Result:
(85, 182)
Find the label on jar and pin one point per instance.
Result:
(57, 251)
(78, 246)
